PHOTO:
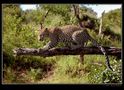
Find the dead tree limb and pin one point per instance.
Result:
(64, 51)
(101, 19)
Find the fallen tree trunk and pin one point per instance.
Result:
(65, 51)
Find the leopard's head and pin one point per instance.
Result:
(43, 33)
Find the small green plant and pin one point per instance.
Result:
(102, 75)
(116, 75)
(34, 74)
(111, 77)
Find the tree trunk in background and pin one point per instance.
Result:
(100, 28)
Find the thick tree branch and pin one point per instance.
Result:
(64, 51)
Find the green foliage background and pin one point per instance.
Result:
(20, 30)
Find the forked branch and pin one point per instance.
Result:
(76, 11)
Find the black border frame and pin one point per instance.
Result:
(62, 86)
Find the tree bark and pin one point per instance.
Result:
(100, 28)
(82, 58)
(64, 51)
